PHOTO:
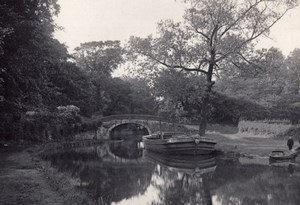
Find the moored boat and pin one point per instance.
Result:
(280, 155)
(179, 144)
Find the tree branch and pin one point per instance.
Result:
(201, 33)
(241, 17)
(178, 66)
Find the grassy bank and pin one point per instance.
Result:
(246, 143)
(279, 129)
(26, 179)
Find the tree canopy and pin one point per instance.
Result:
(214, 34)
(101, 57)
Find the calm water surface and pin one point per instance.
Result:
(121, 172)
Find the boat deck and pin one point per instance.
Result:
(179, 144)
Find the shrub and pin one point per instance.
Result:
(43, 125)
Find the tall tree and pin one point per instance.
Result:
(29, 52)
(71, 86)
(181, 89)
(29, 55)
(98, 59)
(101, 57)
(214, 32)
(143, 100)
(118, 97)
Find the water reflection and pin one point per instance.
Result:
(255, 182)
(122, 172)
(129, 131)
(182, 179)
(130, 149)
(106, 176)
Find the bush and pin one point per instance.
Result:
(42, 125)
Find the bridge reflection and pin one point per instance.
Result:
(129, 149)
(111, 171)
(113, 174)
(131, 131)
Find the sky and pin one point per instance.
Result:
(101, 20)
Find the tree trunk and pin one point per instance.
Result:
(203, 115)
(206, 100)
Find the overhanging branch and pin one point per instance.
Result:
(179, 66)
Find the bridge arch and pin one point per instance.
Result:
(151, 123)
(128, 122)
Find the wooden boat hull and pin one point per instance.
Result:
(181, 162)
(179, 146)
(282, 156)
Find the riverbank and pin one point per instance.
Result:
(26, 179)
(247, 144)
(229, 139)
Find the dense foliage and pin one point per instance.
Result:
(268, 90)
(38, 77)
(47, 93)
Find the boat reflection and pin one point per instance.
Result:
(182, 179)
(192, 165)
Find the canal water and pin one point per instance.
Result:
(121, 172)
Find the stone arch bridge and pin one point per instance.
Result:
(150, 122)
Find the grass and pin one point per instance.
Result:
(245, 143)
(26, 179)
(264, 128)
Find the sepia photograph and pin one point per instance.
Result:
(149, 102)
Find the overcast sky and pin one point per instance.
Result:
(100, 20)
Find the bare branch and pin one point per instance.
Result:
(178, 66)
(196, 29)
(201, 33)
(268, 27)
(217, 74)
(254, 35)
(223, 56)
(247, 61)
(213, 34)
(241, 17)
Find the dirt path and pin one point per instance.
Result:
(22, 181)
(252, 145)
(229, 139)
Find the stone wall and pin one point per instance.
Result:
(103, 131)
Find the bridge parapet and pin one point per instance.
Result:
(130, 117)
(150, 122)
